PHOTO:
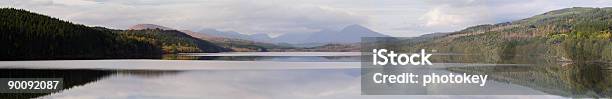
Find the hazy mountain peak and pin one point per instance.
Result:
(236, 35)
(360, 30)
(209, 30)
(149, 26)
(356, 27)
(349, 34)
(262, 35)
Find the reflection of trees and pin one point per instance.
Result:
(573, 80)
(240, 58)
(71, 77)
(178, 57)
(236, 58)
(148, 73)
(256, 58)
(588, 79)
(340, 57)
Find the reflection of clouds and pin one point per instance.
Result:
(129, 64)
(251, 84)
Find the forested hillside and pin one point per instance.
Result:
(27, 35)
(571, 34)
(172, 41)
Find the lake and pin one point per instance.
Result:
(283, 75)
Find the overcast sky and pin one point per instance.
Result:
(391, 17)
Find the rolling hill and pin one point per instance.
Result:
(571, 34)
(173, 41)
(235, 35)
(148, 26)
(27, 35)
(219, 39)
(239, 45)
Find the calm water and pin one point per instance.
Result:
(282, 76)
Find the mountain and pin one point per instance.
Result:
(434, 35)
(232, 34)
(173, 41)
(260, 37)
(292, 38)
(215, 40)
(148, 26)
(236, 44)
(354, 47)
(572, 46)
(349, 34)
(27, 35)
(571, 34)
(201, 35)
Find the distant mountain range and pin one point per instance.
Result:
(231, 40)
(236, 35)
(248, 42)
(349, 34)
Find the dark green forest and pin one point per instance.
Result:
(27, 35)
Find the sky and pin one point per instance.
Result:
(403, 18)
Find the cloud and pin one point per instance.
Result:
(391, 17)
(461, 13)
(282, 17)
(442, 16)
(247, 16)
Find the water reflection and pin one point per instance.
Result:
(148, 73)
(135, 79)
(267, 58)
(163, 84)
(71, 77)
(236, 84)
(254, 84)
(569, 79)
